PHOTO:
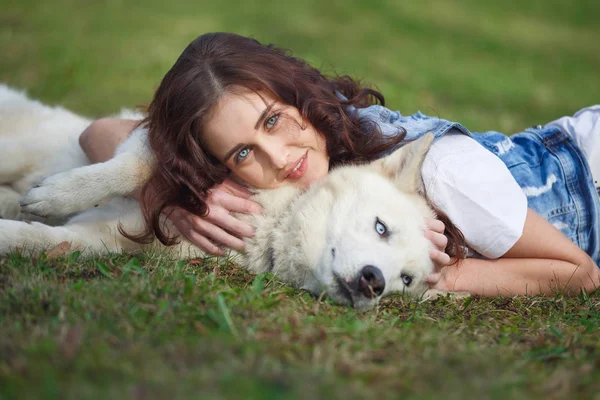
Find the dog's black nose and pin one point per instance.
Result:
(371, 282)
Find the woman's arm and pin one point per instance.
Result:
(542, 261)
(100, 140)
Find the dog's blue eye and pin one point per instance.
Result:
(407, 280)
(380, 228)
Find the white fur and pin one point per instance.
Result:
(320, 239)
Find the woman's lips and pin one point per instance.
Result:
(299, 168)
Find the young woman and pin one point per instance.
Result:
(232, 113)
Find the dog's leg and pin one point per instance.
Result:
(14, 160)
(9, 203)
(82, 188)
(34, 237)
(92, 232)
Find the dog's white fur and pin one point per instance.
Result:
(320, 239)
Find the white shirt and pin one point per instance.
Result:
(476, 191)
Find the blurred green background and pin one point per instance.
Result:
(501, 65)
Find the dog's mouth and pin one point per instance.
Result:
(344, 291)
(343, 288)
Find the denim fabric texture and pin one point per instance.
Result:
(546, 163)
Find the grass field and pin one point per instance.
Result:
(148, 327)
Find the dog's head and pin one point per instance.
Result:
(358, 233)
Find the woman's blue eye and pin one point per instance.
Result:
(380, 228)
(245, 152)
(270, 123)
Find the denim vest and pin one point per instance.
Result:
(546, 163)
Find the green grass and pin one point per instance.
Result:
(149, 327)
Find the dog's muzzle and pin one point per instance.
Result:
(370, 282)
(367, 285)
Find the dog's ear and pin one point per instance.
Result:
(403, 166)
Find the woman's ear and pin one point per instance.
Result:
(403, 166)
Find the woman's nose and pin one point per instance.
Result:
(277, 155)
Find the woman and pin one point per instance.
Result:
(232, 112)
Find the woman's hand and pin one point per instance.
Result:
(435, 234)
(441, 278)
(219, 228)
(542, 261)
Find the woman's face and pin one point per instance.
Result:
(264, 142)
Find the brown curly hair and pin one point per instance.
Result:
(211, 65)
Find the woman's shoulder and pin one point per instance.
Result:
(456, 147)
(414, 125)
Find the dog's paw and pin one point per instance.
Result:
(10, 210)
(9, 203)
(56, 196)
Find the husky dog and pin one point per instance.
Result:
(356, 234)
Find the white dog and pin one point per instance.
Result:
(356, 234)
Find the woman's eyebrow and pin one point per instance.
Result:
(263, 115)
(231, 152)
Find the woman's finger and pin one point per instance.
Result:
(234, 188)
(434, 278)
(439, 240)
(181, 219)
(204, 244)
(216, 234)
(435, 225)
(204, 233)
(184, 224)
(233, 203)
(231, 224)
(440, 258)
